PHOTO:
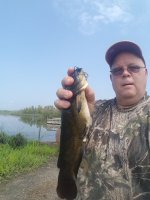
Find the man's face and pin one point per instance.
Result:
(129, 85)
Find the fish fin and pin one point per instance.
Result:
(66, 187)
(78, 102)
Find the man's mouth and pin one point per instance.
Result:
(126, 84)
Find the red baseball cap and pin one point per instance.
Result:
(120, 47)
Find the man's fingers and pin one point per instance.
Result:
(62, 104)
(64, 94)
(90, 95)
(67, 81)
(70, 70)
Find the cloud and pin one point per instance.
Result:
(107, 13)
(104, 13)
(90, 14)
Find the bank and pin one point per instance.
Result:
(32, 155)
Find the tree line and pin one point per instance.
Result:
(34, 115)
(44, 111)
(37, 115)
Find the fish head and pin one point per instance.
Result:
(80, 80)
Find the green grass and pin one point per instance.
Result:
(33, 155)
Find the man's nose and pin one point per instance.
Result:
(126, 72)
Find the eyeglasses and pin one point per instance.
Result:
(118, 71)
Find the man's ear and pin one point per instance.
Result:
(110, 77)
(146, 71)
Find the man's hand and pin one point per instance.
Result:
(65, 95)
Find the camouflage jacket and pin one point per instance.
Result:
(116, 160)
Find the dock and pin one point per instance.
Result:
(53, 124)
(54, 121)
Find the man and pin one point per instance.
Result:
(116, 159)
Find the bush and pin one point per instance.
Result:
(15, 161)
(17, 141)
(3, 138)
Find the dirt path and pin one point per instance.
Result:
(37, 185)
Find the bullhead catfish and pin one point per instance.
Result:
(74, 123)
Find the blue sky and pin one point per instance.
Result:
(40, 39)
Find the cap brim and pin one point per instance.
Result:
(123, 46)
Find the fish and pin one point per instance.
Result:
(75, 121)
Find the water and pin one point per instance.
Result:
(13, 125)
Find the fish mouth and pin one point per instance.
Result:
(82, 84)
(79, 87)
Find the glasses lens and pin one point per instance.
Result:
(117, 71)
(134, 69)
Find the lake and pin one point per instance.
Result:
(13, 125)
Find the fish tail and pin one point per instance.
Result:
(66, 187)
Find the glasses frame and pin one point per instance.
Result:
(118, 71)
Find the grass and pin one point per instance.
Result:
(27, 158)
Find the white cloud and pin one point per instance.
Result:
(90, 14)
(110, 12)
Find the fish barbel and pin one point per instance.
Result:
(74, 123)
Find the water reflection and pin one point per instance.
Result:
(37, 120)
(29, 126)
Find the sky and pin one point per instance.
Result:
(40, 39)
